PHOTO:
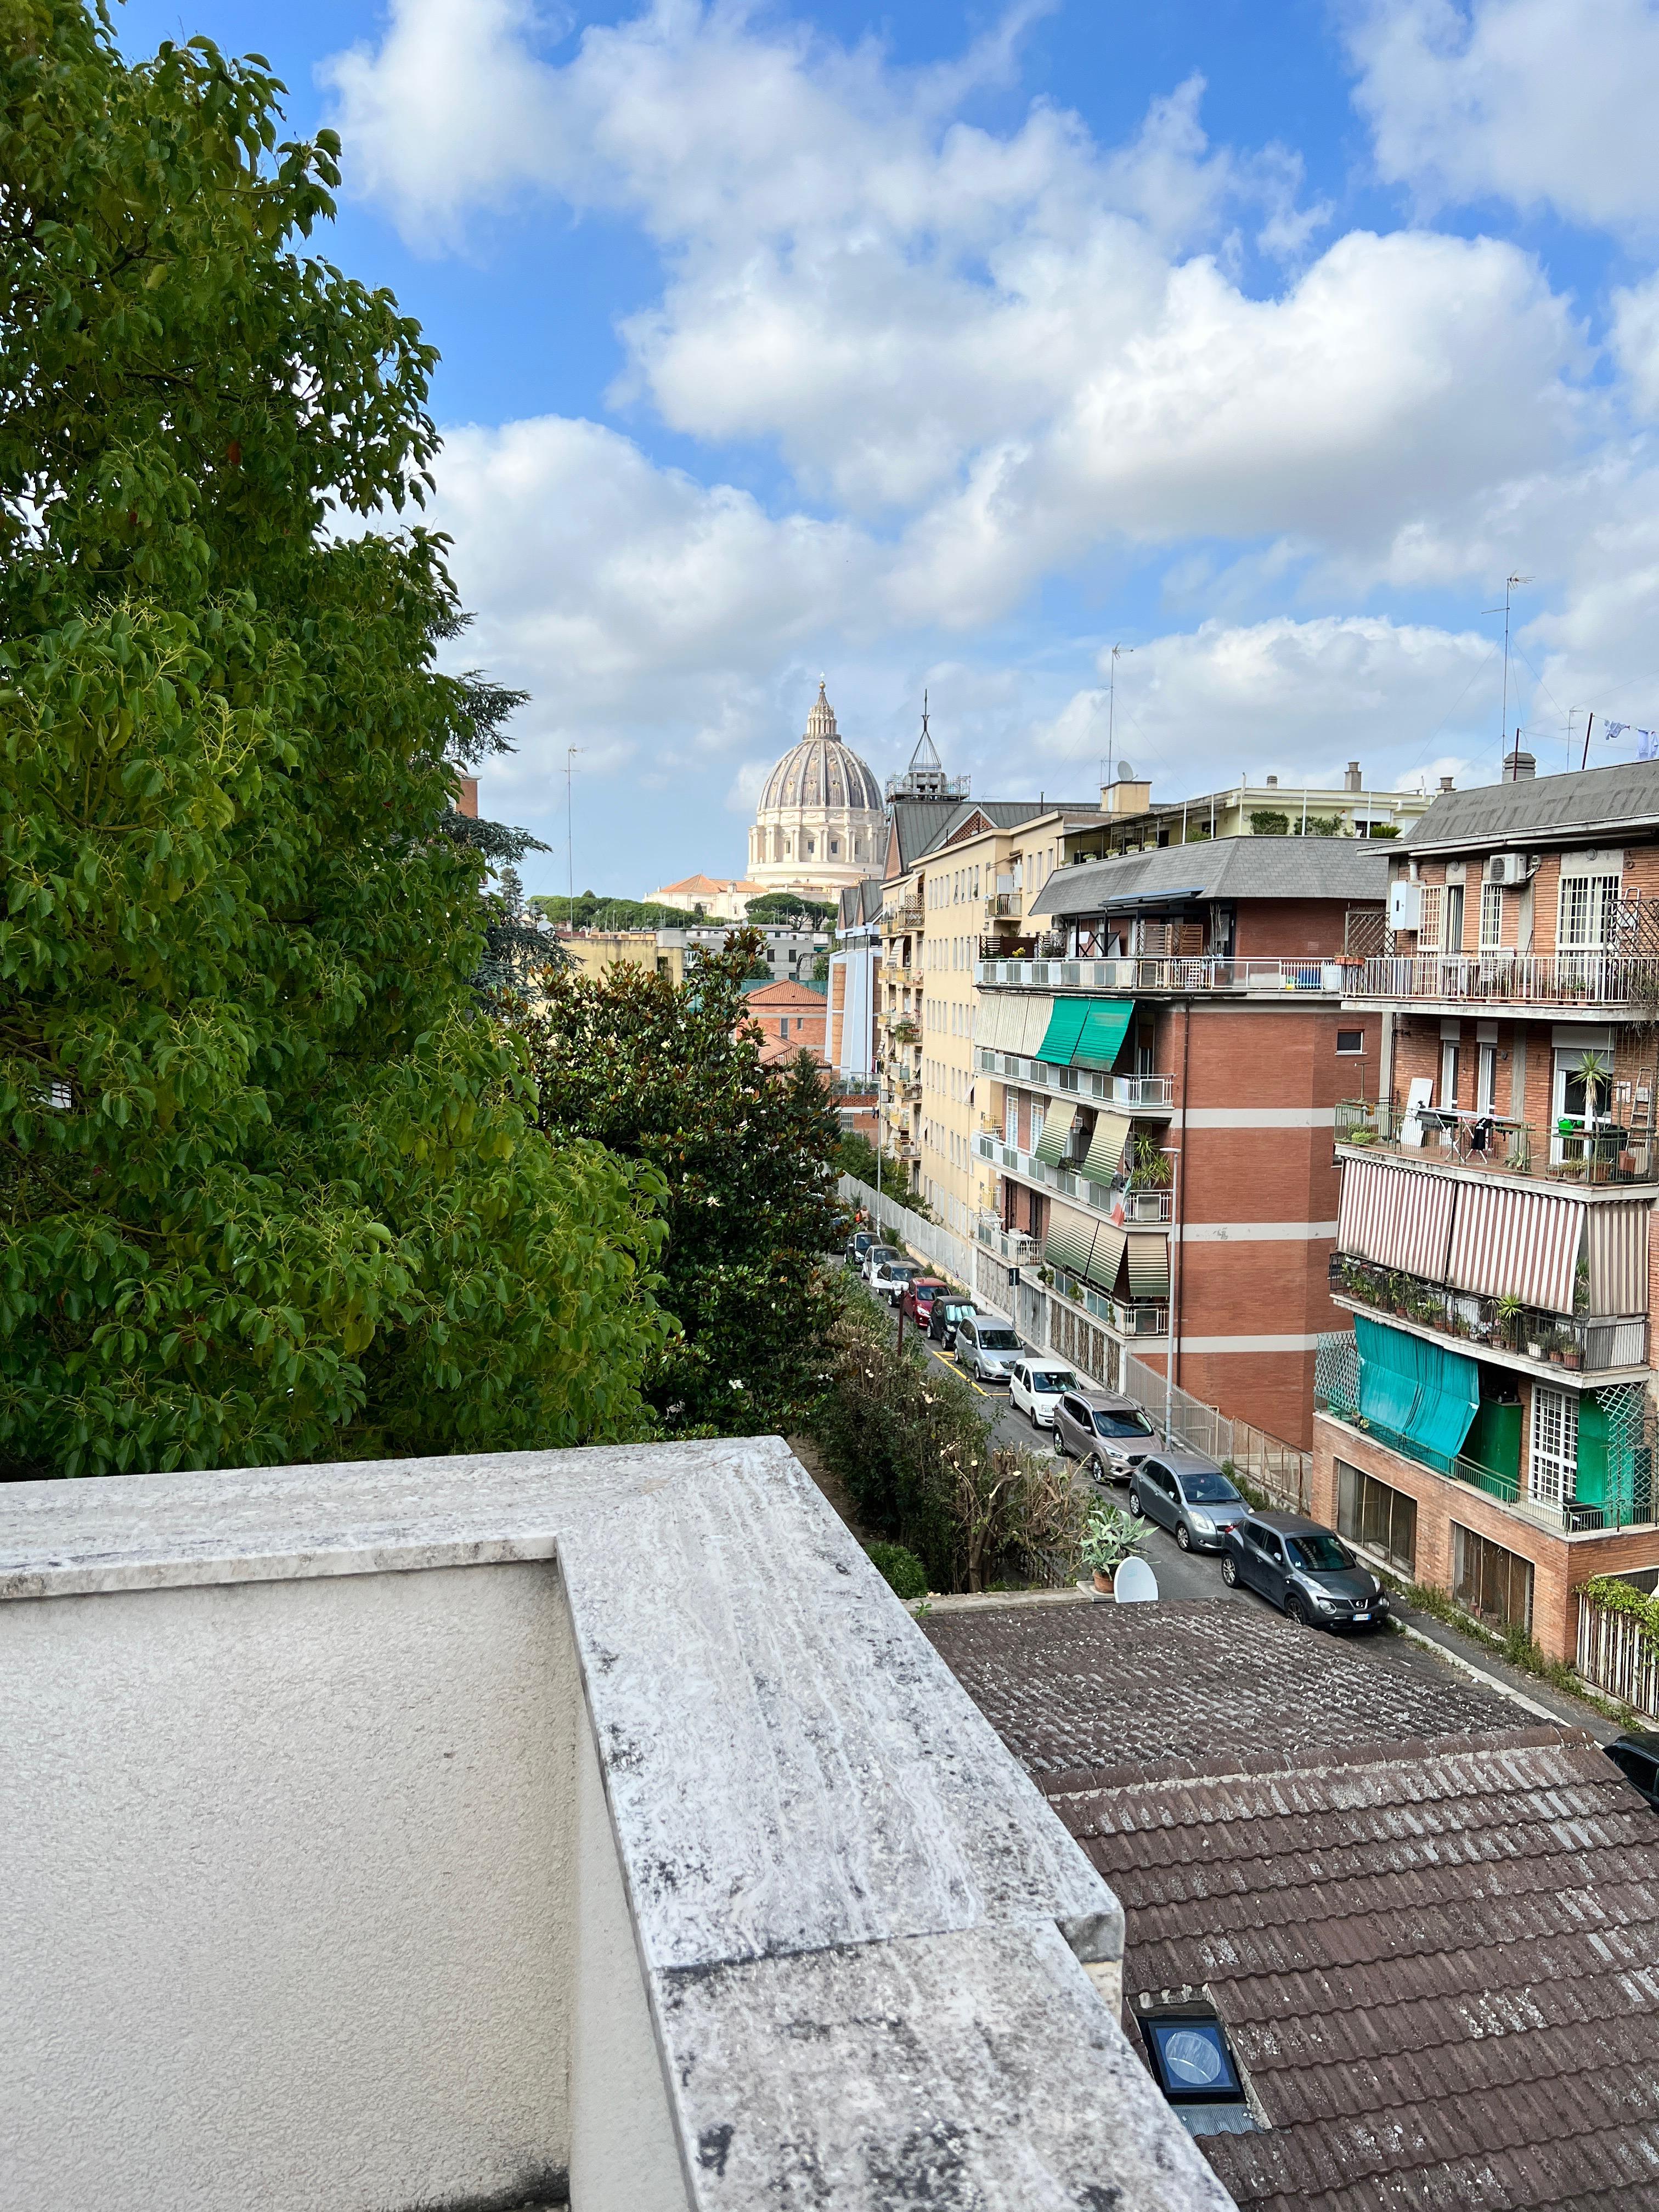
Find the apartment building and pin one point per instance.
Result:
(1159, 1057)
(1268, 809)
(854, 966)
(947, 895)
(1487, 1425)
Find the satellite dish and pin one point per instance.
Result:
(1125, 772)
(1134, 1583)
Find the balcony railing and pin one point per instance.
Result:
(1565, 1516)
(1138, 1094)
(1197, 976)
(1129, 1316)
(1435, 1137)
(908, 915)
(1012, 1245)
(1138, 1205)
(1578, 1343)
(1004, 906)
(1507, 979)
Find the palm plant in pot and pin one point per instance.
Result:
(1110, 1538)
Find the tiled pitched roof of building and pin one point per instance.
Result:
(1551, 809)
(1223, 868)
(1433, 1949)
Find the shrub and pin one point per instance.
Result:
(902, 1571)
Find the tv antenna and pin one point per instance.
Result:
(1509, 585)
(570, 753)
(1111, 708)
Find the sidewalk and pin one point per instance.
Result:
(1558, 1704)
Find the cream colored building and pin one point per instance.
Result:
(725, 898)
(596, 951)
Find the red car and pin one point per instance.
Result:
(917, 1303)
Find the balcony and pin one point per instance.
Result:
(1200, 976)
(1135, 1205)
(1449, 982)
(486, 1831)
(1336, 1395)
(1012, 1245)
(907, 915)
(1004, 906)
(1129, 1317)
(1144, 1095)
(1604, 1155)
(1514, 1335)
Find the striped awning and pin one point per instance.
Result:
(997, 1016)
(1056, 1134)
(1106, 1146)
(1104, 1028)
(1517, 1243)
(1065, 1028)
(1149, 1266)
(1106, 1258)
(1034, 1018)
(1618, 1255)
(1089, 1248)
(1395, 1217)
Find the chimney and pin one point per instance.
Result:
(1353, 781)
(1128, 795)
(1446, 784)
(1519, 767)
(1273, 783)
(466, 800)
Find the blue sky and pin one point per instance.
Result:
(949, 348)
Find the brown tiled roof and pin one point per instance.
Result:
(1433, 1936)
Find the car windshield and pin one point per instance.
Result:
(879, 1255)
(900, 1267)
(1206, 1488)
(1053, 1378)
(1123, 1424)
(998, 1340)
(1320, 1553)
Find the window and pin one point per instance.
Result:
(1587, 905)
(1554, 1445)
(1376, 1515)
(1493, 1583)
(1429, 920)
(1447, 1097)
(1192, 2062)
(1351, 1041)
(1486, 1079)
(1491, 916)
(1454, 926)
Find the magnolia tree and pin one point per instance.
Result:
(272, 1187)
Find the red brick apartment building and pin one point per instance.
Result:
(793, 1016)
(1166, 1067)
(1488, 1426)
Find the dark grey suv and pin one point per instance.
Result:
(1189, 1495)
(1304, 1568)
(1108, 1433)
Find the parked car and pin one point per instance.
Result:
(987, 1348)
(1034, 1389)
(857, 1245)
(1188, 1494)
(1304, 1568)
(917, 1303)
(1108, 1433)
(873, 1256)
(947, 1317)
(892, 1279)
(1636, 1758)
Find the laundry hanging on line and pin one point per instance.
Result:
(1647, 741)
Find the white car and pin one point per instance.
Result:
(1033, 1388)
(987, 1348)
(892, 1279)
(876, 1256)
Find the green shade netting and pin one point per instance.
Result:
(1425, 1394)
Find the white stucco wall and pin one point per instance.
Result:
(290, 1869)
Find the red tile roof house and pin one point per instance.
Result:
(1423, 1921)
(793, 1016)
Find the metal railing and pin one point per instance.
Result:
(1432, 1137)
(1139, 1094)
(1196, 976)
(1578, 1343)
(1012, 1245)
(1145, 1205)
(1004, 906)
(1508, 979)
(1128, 1316)
(907, 914)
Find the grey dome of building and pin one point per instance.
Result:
(821, 823)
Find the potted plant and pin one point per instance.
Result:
(1110, 1538)
(1508, 1311)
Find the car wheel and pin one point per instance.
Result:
(1297, 1607)
(1230, 1571)
(1095, 1471)
(1184, 1536)
(1030, 1415)
(1135, 1505)
(1060, 1450)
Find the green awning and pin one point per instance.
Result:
(1065, 1028)
(1106, 1147)
(1056, 1134)
(1104, 1029)
(1106, 1258)
(1149, 1266)
(1426, 1395)
(1067, 1242)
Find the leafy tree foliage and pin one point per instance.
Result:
(671, 1076)
(592, 912)
(271, 1187)
(791, 909)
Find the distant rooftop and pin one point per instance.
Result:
(1574, 809)
(1222, 868)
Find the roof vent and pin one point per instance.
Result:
(1519, 767)
(1273, 783)
(1446, 783)
(1353, 781)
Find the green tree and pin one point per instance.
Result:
(271, 1185)
(671, 1076)
(791, 909)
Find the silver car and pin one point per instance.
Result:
(1189, 1495)
(1107, 1432)
(987, 1348)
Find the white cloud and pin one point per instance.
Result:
(1539, 102)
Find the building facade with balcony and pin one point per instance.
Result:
(1140, 823)
(1489, 1424)
(1160, 1064)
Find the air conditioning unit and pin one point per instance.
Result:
(1507, 868)
(1404, 905)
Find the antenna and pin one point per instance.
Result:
(570, 753)
(1111, 705)
(1509, 584)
